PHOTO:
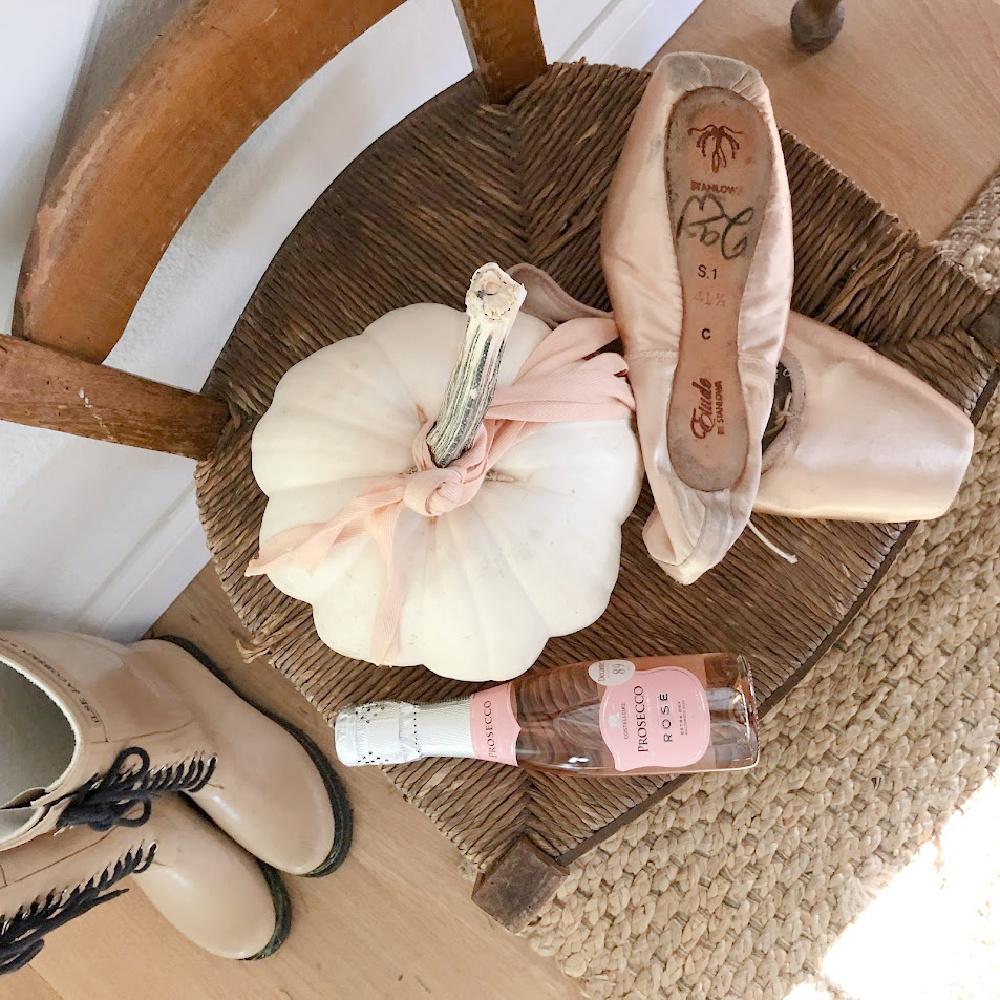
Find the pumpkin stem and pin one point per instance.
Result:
(492, 302)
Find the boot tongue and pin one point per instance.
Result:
(52, 734)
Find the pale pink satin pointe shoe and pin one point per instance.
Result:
(696, 246)
(862, 438)
(858, 437)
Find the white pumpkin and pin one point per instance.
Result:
(534, 554)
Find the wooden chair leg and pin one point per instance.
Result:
(816, 23)
(504, 42)
(518, 885)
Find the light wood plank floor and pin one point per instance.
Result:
(903, 102)
(396, 921)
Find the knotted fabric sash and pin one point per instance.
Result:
(564, 379)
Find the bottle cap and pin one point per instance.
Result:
(384, 732)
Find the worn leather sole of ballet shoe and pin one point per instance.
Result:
(342, 815)
(718, 163)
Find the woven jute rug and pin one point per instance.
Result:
(737, 886)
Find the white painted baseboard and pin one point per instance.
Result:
(142, 585)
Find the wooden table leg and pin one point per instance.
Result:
(816, 23)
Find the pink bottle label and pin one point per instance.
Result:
(494, 725)
(657, 719)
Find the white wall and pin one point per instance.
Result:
(99, 537)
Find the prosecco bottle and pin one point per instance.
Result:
(653, 715)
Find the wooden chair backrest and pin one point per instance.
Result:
(214, 75)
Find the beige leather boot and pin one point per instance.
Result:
(211, 890)
(857, 436)
(93, 731)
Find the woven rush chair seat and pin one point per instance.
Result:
(461, 182)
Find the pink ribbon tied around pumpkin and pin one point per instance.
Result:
(563, 379)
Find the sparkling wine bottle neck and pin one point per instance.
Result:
(445, 730)
(396, 732)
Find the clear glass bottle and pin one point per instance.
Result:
(654, 715)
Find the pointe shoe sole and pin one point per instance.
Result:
(718, 168)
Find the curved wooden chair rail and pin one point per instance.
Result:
(212, 77)
(216, 73)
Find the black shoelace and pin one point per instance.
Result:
(22, 936)
(123, 795)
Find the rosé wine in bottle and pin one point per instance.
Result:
(655, 715)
